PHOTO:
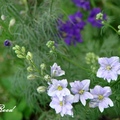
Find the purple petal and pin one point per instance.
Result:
(82, 99)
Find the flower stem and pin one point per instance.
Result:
(69, 60)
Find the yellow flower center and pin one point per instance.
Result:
(108, 67)
(100, 97)
(81, 92)
(59, 88)
(61, 103)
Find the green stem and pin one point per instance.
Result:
(93, 3)
(67, 59)
(51, 6)
(111, 27)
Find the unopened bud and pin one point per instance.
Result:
(12, 22)
(23, 49)
(3, 17)
(29, 69)
(47, 77)
(41, 89)
(31, 77)
(29, 56)
(118, 26)
(20, 56)
(43, 66)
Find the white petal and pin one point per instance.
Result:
(82, 99)
(101, 108)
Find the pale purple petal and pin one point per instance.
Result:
(76, 98)
(88, 95)
(82, 99)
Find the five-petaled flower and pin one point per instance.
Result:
(80, 90)
(101, 97)
(58, 88)
(56, 70)
(109, 68)
(64, 107)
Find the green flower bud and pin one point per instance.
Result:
(12, 22)
(41, 89)
(91, 58)
(31, 77)
(3, 17)
(119, 32)
(50, 43)
(118, 26)
(47, 78)
(43, 66)
(99, 16)
(29, 56)
(23, 49)
(29, 69)
(20, 56)
(17, 52)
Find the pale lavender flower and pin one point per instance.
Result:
(58, 88)
(56, 70)
(80, 90)
(109, 68)
(101, 97)
(63, 107)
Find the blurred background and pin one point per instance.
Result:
(33, 27)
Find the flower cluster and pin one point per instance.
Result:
(62, 99)
(70, 30)
(109, 68)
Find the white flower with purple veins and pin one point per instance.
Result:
(101, 97)
(64, 107)
(58, 88)
(80, 90)
(109, 68)
(56, 70)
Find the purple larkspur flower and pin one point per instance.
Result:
(58, 88)
(101, 97)
(76, 19)
(63, 107)
(7, 43)
(56, 70)
(85, 4)
(70, 30)
(80, 90)
(109, 68)
(92, 17)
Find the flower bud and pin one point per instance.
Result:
(7, 43)
(41, 89)
(50, 43)
(12, 22)
(31, 77)
(119, 32)
(23, 49)
(47, 78)
(29, 56)
(20, 56)
(119, 27)
(43, 66)
(3, 17)
(29, 69)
